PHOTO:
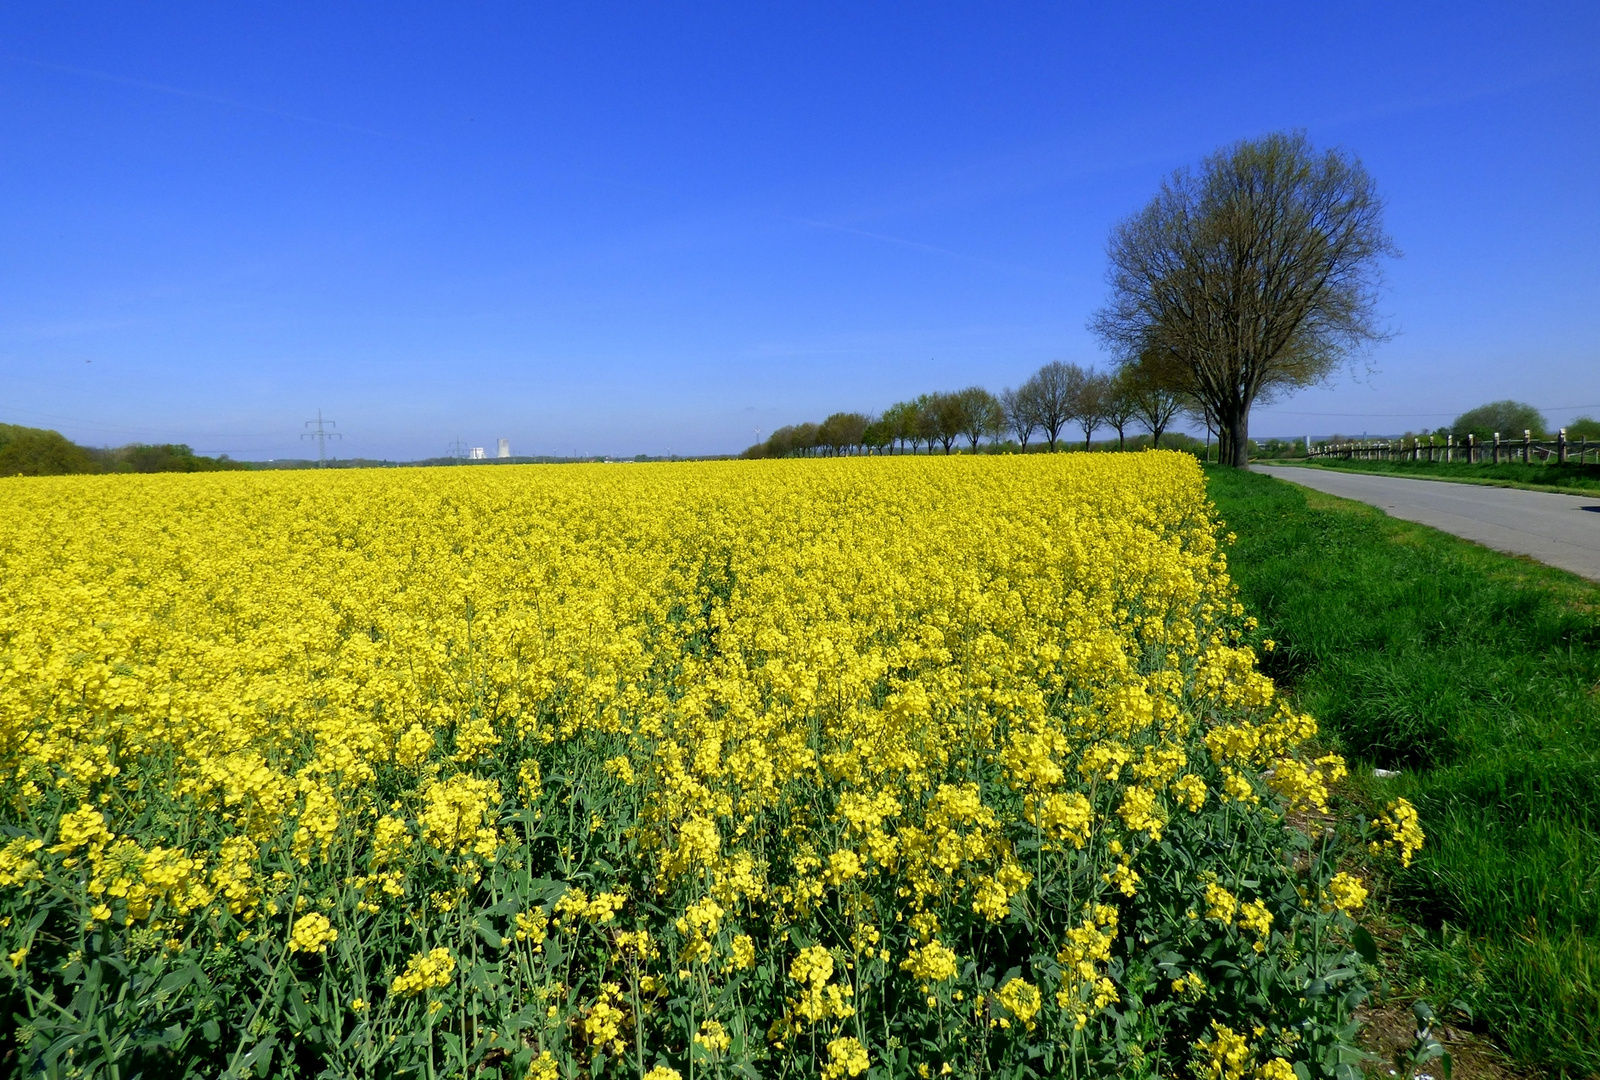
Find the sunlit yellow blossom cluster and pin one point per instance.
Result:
(710, 765)
(312, 933)
(1401, 832)
(427, 972)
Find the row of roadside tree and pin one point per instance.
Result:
(1057, 401)
(1243, 280)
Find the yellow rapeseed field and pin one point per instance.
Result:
(906, 767)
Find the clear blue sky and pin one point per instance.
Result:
(627, 228)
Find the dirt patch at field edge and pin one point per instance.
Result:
(1390, 1029)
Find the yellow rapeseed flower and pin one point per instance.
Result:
(870, 704)
(423, 972)
(312, 933)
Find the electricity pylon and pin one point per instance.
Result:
(321, 435)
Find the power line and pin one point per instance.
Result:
(321, 435)
(1541, 408)
(140, 430)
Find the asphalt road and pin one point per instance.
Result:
(1561, 530)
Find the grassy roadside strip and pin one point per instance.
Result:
(1477, 676)
(1569, 479)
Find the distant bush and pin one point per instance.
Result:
(162, 457)
(1584, 427)
(1277, 448)
(1509, 418)
(26, 451)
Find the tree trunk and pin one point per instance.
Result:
(1237, 432)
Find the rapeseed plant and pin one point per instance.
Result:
(801, 768)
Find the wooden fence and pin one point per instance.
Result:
(1465, 448)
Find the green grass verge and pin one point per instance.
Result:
(1571, 478)
(1478, 675)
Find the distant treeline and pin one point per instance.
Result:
(26, 451)
(1058, 398)
(1063, 397)
(1509, 419)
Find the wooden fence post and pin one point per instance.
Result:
(1527, 447)
(1497, 448)
(1472, 445)
(1561, 446)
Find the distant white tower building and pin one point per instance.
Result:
(476, 453)
(505, 448)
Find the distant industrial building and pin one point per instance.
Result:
(476, 453)
(505, 448)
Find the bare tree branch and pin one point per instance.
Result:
(1252, 278)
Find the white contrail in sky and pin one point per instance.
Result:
(178, 91)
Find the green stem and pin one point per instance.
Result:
(244, 1036)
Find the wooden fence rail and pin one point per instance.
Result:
(1465, 448)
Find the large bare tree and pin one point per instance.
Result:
(924, 422)
(1022, 414)
(1121, 403)
(981, 414)
(946, 418)
(900, 423)
(1254, 276)
(1089, 402)
(1052, 389)
(1154, 402)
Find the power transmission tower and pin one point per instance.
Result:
(455, 448)
(321, 435)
